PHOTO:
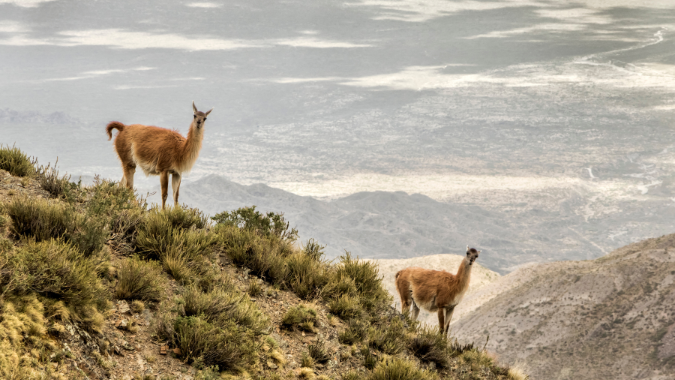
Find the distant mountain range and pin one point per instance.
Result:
(386, 225)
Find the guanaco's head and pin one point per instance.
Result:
(471, 254)
(200, 117)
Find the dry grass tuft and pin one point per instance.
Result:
(516, 373)
(302, 317)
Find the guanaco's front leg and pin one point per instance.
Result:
(175, 186)
(164, 183)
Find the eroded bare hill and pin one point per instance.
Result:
(610, 318)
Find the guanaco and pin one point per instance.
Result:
(435, 290)
(158, 151)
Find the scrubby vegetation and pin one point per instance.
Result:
(71, 256)
(16, 162)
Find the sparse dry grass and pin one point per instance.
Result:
(516, 373)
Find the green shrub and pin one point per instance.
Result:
(399, 369)
(346, 307)
(139, 280)
(301, 317)
(196, 270)
(44, 220)
(110, 198)
(306, 274)
(41, 219)
(430, 347)
(372, 295)
(227, 346)
(222, 305)
(389, 337)
(174, 237)
(266, 258)
(58, 272)
(247, 218)
(172, 228)
(15, 161)
(89, 235)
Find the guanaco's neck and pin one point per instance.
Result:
(464, 273)
(193, 144)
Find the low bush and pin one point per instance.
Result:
(110, 199)
(227, 346)
(389, 337)
(300, 317)
(346, 307)
(366, 278)
(306, 273)
(247, 218)
(355, 332)
(56, 271)
(139, 280)
(173, 228)
(57, 186)
(16, 162)
(255, 289)
(266, 258)
(221, 305)
(43, 220)
(174, 237)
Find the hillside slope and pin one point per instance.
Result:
(609, 318)
(94, 284)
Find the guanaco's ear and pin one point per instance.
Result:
(208, 112)
(193, 106)
(467, 247)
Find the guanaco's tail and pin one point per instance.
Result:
(113, 125)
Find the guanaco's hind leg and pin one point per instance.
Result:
(128, 178)
(441, 320)
(403, 288)
(415, 308)
(164, 183)
(175, 185)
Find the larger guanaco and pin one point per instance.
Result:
(158, 151)
(435, 290)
